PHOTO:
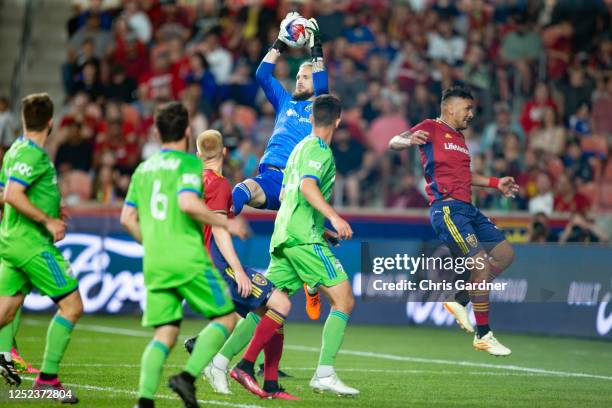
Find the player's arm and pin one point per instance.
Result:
(192, 205)
(223, 239)
(409, 138)
(129, 220)
(312, 194)
(319, 74)
(15, 196)
(506, 185)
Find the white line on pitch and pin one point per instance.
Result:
(383, 356)
(135, 394)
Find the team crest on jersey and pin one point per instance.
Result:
(448, 136)
(308, 108)
(471, 239)
(259, 279)
(338, 265)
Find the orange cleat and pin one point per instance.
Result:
(313, 304)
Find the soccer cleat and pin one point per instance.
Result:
(8, 372)
(189, 344)
(247, 381)
(22, 366)
(55, 387)
(313, 304)
(217, 379)
(460, 314)
(185, 390)
(331, 384)
(282, 395)
(490, 344)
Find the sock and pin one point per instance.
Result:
(210, 340)
(482, 330)
(462, 297)
(220, 361)
(15, 323)
(311, 291)
(480, 304)
(241, 195)
(267, 327)
(273, 352)
(151, 367)
(270, 386)
(145, 403)
(260, 359)
(333, 334)
(58, 337)
(242, 334)
(324, 371)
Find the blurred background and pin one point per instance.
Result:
(541, 71)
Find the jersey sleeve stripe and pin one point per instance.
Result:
(190, 190)
(16, 180)
(130, 203)
(2, 184)
(310, 176)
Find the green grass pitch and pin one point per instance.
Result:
(392, 366)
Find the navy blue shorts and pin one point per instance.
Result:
(463, 227)
(261, 290)
(271, 181)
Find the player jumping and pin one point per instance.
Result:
(299, 252)
(468, 233)
(291, 126)
(251, 291)
(31, 223)
(163, 210)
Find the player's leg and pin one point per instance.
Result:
(261, 191)
(163, 312)
(318, 267)
(248, 192)
(9, 305)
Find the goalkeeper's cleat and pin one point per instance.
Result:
(282, 395)
(313, 304)
(185, 390)
(57, 390)
(332, 384)
(217, 379)
(460, 314)
(490, 344)
(22, 366)
(189, 344)
(247, 381)
(281, 373)
(8, 372)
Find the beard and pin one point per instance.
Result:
(302, 96)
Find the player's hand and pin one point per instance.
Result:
(418, 138)
(283, 23)
(56, 227)
(331, 237)
(64, 213)
(238, 227)
(508, 186)
(244, 283)
(342, 227)
(313, 30)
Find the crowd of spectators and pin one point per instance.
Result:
(541, 71)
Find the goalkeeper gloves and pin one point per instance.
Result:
(280, 45)
(316, 47)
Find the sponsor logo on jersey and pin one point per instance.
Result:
(314, 164)
(23, 169)
(159, 163)
(448, 136)
(456, 147)
(192, 179)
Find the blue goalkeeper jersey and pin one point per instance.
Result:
(292, 123)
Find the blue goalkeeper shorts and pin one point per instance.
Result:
(464, 228)
(270, 179)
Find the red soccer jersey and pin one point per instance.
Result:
(446, 162)
(217, 197)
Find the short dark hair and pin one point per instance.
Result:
(171, 121)
(326, 109)
(457, 91)
(37, 110)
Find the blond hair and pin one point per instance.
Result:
(210, 144)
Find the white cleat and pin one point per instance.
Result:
(332, 384)
(460, 314)
(490, 344)
(217, 378)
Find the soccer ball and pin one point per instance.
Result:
(294, 33)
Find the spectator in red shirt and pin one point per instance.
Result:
(160, 84)
(567, 199)
(533, 111)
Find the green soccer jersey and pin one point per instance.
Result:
(20, 237)
(174, 251)
(297, 222)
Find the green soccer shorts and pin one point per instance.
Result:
(49, 272)
(206, 294)
(312, 264)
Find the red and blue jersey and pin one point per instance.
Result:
(446, 162)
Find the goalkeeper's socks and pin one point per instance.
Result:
(240, 337)
(482, 330)
(241, 195)
(266, 329)
(462, 297)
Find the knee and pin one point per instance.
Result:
(280, 302)
(72, 307)
(228, 321)
(345, 304)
